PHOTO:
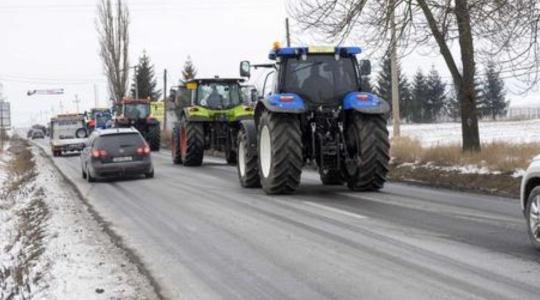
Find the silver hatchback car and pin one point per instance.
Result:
(530, 201)
(116, 152)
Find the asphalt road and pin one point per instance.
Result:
(202, 236)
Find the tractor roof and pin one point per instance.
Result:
(68, 117)
(298, 51)
(217, 80)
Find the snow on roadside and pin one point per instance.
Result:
(65, 254)
(450, 133)
(466, 169)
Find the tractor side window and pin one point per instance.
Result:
(269, 83)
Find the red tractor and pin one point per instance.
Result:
(137, 113)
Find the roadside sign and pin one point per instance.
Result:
(5, 115)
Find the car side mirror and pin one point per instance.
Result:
(245, 69)
(364, 67)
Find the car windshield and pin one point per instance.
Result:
(320, 78)
(218, 95)
(137, 111)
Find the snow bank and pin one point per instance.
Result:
(72, 258)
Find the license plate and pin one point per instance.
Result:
(122, 159)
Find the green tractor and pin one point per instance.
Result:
(209, 112)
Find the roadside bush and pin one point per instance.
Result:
(405, 150)
(496, 156)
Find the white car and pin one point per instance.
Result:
(530, 201)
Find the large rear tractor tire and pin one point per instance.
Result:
(175, 146)
(280, 152)
(191, 143)
(153, 136)
(368, 145)
(248, 164)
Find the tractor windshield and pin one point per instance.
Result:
(102, 118)
(218, 95)
(320, 78)
(136, 110)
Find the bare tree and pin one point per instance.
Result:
(505, 31)
(112, 25)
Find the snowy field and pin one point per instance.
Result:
(450, 133)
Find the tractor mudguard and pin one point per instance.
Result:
(251, 133)
(284, 103)
(196, 114)
(365, 103)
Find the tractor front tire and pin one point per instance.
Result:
(248, 164)
(153, 137)
(192, 143)
(175, 146)
(368, 145)
(280, 152)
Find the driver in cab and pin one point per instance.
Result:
(214, 99)
(317, 84)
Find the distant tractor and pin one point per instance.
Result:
(136, 113)
(98, 118)
(209, 112)
(314, 112)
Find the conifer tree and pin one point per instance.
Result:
(436, 96)
(189, 72)
(146, 80)
(494, 95)
(384, 88)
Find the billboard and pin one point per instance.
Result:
(5, 115)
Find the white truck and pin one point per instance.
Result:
(68, 133)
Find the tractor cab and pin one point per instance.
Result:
(134, 109)
(98, 118)
(215, 93)
(311, 76)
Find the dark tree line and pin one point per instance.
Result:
(428, 98)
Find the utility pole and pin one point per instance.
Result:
(165, 101)
(136, 84)
(288, 34)
(96, 97)
(77, 101)
(394, 72)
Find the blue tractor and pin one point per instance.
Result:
(313, 111)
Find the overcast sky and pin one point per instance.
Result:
(53, 44)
